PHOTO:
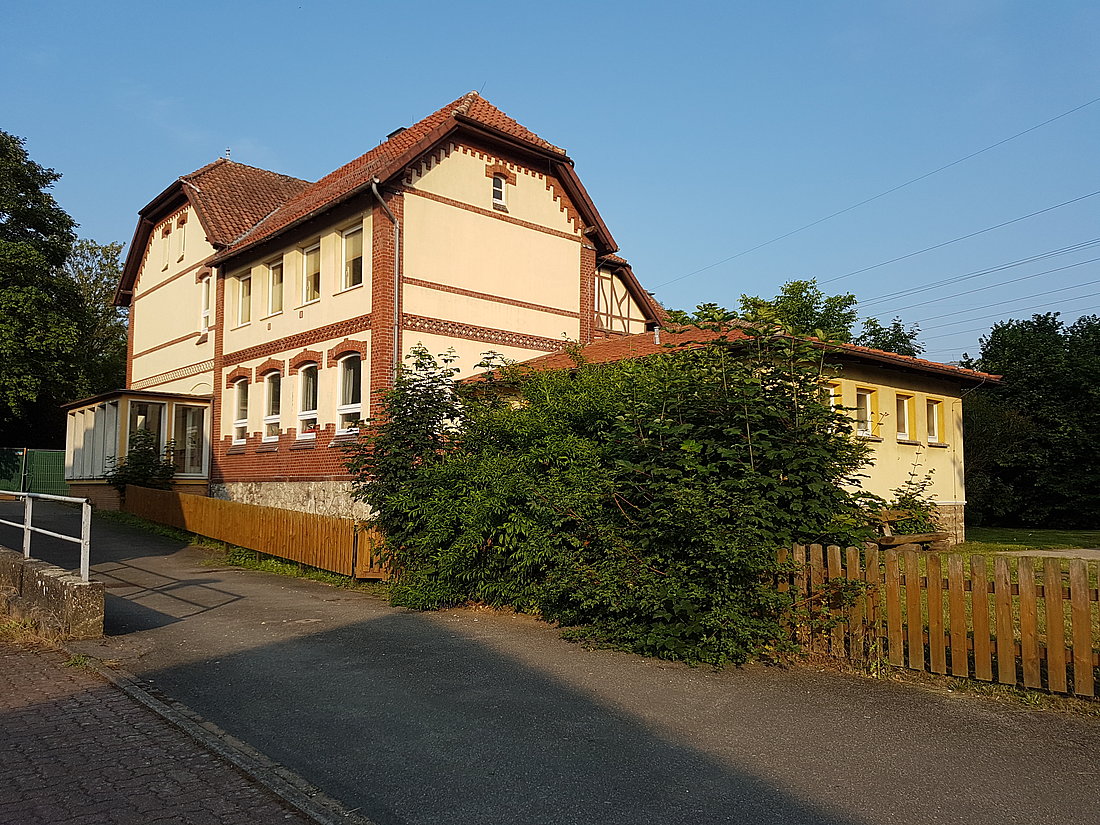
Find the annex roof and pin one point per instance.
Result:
(644, 344)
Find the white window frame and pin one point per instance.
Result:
(346, 406)
(903, 404)
(272, 268)
(934, 415)
(244, 303)
(865, 406)
(205, 303)
(500, 189)
(204, 452)
(272, 418)
(166, 239)
(345, 280)
(240, 400)
(162, 425)
(305, 415)
(306, 275)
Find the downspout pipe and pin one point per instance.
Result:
(396, 276)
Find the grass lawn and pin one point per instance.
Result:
(998, 539)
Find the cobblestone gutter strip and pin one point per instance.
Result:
(281, 781)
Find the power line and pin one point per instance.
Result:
(1077, 247)
(881, 194)
(1018, 309)
(1002, 303)
(994, 286)
(960, 238)
(1025, 309)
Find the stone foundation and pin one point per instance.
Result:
(59, 603)
(105, 497)
(951, 519)
(325, 498)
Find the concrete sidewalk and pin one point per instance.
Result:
(75, 749)
(480, 717)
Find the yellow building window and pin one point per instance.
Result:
(905, 413)
(936, 433)
(866, 412)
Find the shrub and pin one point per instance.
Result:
(143, 465)
(638, 503)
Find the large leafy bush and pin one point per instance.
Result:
(639, 503)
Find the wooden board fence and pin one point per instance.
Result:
(1034, 623)
(339, 545)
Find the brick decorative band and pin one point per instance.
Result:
(485, 296)
(169, 280)
(302, 339)
(174, 375)
(454, 329)
(167, 344)
(490, 213)
(270, 365)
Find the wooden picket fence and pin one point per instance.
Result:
(1034, 623)
(339, 545)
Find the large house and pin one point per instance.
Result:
(267, 313)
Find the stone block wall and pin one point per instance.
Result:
(59, 603)
(325, 498)
(951, 519)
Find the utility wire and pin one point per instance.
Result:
(979, 272)
(960, 238)
(994, 286)
(881, 194)
(1002, 303)
(1018, 309)
(987, 326)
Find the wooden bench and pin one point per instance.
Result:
(937, 541)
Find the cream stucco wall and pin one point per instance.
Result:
(335, 304)
(328, 388)
(448, 245)
(894, 459)
(469, 353)
(166, 310)
(461, 175)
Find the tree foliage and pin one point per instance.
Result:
(96, 269)
(1033, 443)
(638, 503)
(802, 308)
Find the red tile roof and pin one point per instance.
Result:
(383, 160)
(644, 344)
(231, 198)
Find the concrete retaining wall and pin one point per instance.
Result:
(57, 601)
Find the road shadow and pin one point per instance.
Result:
(411, 723)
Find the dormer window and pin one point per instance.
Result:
(166, 242)
(499, 184)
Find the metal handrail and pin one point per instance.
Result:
(84, 539)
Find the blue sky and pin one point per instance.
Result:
(701, 129)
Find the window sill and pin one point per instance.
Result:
(272, 315)
(241, 326)
(236, 449)
(349, 288)
(867, 437)
(500, 207)
(309, 303)
(267, 448)
(941, 444)
(909, 442)
(204, 336)
(304, 444)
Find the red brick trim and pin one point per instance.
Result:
(588, 292)
(385, 300)
(306, 356)
(174, 375)
(484, 296)
(218, 332)
(488, 335)
(491, 213)
(346, 347)
(236, 375)
(301, 339)
(205, 272)
(166, 344)
(270, 365)
(494, 169)
(130, 347)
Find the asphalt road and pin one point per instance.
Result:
(478, 717)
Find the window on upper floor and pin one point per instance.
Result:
(307, 401)
(273, 390)
(351, 394)
(275, 287)
(244, 299)
(866, 410)
(311, 274)
(500, 185)
(181, 231)
(166, 244)
(936, 433)
(240, 411)
(353, 257)
(206, 287)
(904, 414)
